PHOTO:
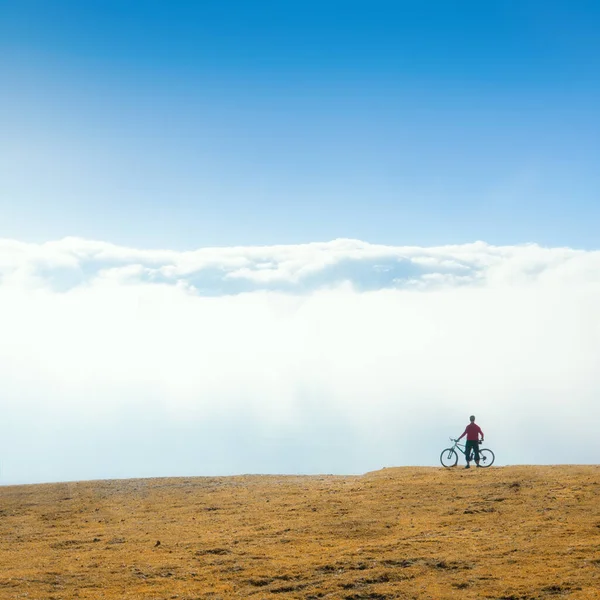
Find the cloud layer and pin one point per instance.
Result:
(327, 357)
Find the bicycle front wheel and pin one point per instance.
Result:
(486, 457)
(449, 457)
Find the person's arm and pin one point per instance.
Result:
(462, 436)
(481, 432)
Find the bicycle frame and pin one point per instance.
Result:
(459, 446)
(463, 448)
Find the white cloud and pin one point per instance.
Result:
(340, 356)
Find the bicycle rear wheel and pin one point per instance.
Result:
(486, 457)
(449, 457)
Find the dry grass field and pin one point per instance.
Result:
(518, 533)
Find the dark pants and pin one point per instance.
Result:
(472, 445)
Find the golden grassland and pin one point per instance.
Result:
(518, 533)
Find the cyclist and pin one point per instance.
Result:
(472, 431)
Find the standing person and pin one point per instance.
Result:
(472, 431)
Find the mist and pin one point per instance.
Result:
(344, 358)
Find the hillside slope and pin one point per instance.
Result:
(518, 533)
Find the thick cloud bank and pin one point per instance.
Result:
(327, 357)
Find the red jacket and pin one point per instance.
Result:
(472, 432)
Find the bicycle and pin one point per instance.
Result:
(449, 456)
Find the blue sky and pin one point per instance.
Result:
(249, 229)
(188, 124)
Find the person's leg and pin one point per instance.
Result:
(468, 447)
(476, 452)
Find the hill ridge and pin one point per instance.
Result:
(520, 532)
